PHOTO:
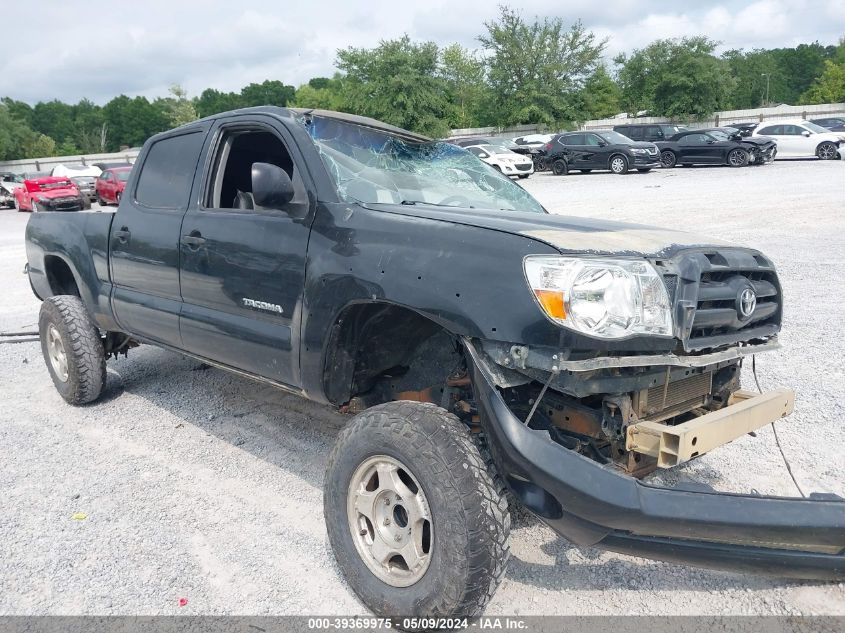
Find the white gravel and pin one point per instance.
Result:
(202, 485)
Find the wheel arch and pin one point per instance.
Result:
(368, 339)
(621, 154)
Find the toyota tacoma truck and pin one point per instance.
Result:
(494, 356)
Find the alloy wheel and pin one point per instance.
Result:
(56, 352)
(390, 521)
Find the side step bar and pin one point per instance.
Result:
(673, 445)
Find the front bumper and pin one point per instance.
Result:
(592, 505)
(647, 161)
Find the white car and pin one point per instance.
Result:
(802, 139)
(9, 182)
(534, 141)
(508, 162)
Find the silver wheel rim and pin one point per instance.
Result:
(667, 158)
(56, 352)
(826, 152)
(390, 521)
(736, 157)
(617, 164)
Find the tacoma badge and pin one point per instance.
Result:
(262, 305)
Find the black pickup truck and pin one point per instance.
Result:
(495, 356)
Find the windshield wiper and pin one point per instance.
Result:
(433, 204)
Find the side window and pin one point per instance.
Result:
(572, 139)
(237, 151)
(772, 130)
(476, 150)
(634, 133)
(168, 171)
(593, 140)
(654, 133)
(792, 130)
(693, 139)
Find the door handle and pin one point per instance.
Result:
(193, 240)
(122, 235)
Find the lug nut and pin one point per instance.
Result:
(363, 532)
(386, 501)
(397, 538)
(387, 521)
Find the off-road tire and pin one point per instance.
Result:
(86, 360)
(520, 515)
(559, 167)
(470, 531)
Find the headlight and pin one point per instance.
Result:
(639, 150)
(607, 298)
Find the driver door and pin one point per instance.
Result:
(242, 268)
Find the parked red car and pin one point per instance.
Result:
(48, 193)
(111, 183)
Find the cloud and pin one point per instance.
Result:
(84, 49)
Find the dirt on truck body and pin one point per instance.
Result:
(494, 356)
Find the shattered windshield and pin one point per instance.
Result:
(376, 167)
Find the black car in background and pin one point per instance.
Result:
(834, 123)
(599, 149)
(649, 132)
(745, 129)
(716, 146)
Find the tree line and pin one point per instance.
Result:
(543, 72)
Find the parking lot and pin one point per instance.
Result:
(188, 482)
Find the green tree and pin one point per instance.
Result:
(536, 70)
(397, 82)
(270, 92)
(89, 120)
(54, 119)
(675, 78)
(213, 101)
(131, 121)
(18, 110)
(801, 66)
(600, 96)
(178, 108)
(752, 71)
(829, 87)
(464, 74)
(321, 93)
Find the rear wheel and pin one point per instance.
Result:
(117, 198)
(619, 164)
(72, 349)
(668, 158)
(417, 524)
(737, 158)
(100, 201)
(559, 167)
(826, 151)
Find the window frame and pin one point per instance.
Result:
(221, 134)
(137, 180)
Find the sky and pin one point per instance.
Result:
(70, 50)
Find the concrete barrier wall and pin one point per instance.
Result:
(735, 116)
(46, 164)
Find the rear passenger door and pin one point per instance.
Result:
(242, 267)
(144, 244)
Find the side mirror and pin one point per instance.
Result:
(805, 133)
(602, 144)
(271, 186)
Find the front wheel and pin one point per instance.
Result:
(72, 349)
(418, 525)
(559, 167)
(619, 165)
(826, 151)
(737, 158)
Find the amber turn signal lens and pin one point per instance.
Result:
(552, 302)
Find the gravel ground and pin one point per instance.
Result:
(202, 485)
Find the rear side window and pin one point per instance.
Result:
(168, 171)
(572, 139)
(773, 130)
(634, 133)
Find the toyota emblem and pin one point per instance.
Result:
(747, 302)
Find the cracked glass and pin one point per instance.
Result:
(373, 167)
